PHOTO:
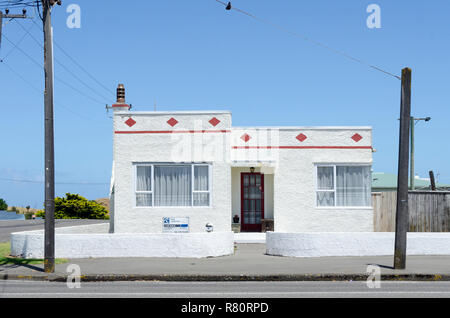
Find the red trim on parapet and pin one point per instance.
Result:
(170, 131)
(302, 147)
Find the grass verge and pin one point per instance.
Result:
(7, 259)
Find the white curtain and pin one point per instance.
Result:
(143, 183)
(325, 198)
(201, 199)
(172, 185)
(144, 178)
(201, 178)
(201, 183)
(325, 181)
(325, 176)
(353, 186)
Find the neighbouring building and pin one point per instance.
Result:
(388, 182)
(192, 171)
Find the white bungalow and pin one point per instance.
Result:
(192, 171)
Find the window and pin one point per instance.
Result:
(343, 186)
(201, 185)
(144, 186)
(172, 185)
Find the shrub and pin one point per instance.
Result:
(74, 206)
(3, 205)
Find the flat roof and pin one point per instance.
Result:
(180, 112)
(304, 127)
(200, 112)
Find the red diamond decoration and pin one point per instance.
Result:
(301, 137)
(246, 137)
(357, 137)
(214, 121)
(130, 122)
(172, 121)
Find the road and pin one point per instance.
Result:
(8, 227)
(35, 289)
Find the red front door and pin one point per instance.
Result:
(252, 201)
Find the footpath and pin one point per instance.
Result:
(249, 263)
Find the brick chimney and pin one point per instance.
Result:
(120, 104)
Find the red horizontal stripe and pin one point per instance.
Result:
(302, 147)
(170, 131)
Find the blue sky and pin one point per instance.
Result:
(187, 55)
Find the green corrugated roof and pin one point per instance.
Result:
(389, 180)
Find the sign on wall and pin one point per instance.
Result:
(176, 225)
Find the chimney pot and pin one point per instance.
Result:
(120, 104)
(120, 93)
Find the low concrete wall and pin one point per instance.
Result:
(78, 242)
(353, 244)
(83, 229)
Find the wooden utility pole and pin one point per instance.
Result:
(49, 237)
(411, 171)
(401, 220)
(432, 182)
(411, 159)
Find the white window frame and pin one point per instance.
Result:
(153, 164)
(135, 184)
(200, 191)
(334, 165)
(322, 190)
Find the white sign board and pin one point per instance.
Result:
(176, 225)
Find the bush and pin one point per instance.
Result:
(74, 206)
(3, 205)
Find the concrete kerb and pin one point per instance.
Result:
(231, 278)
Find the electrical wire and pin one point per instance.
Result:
(73, 60)
(16, 4)
(305, 38)
(57, 103)
(62, 64)
(40, 182)
(56, 77)
(16, 44)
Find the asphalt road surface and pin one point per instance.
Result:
(11, 226)
(35, 289)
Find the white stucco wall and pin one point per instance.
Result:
(353, 244)
(152, 140)
(82, 243)
(294, 178)
(290, 196)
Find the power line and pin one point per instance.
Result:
(56, 77)
(303, 37)
(66, 183)
(77, 64)
(62, 64)
(69, 109)
(14, 47)
(15, 4)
